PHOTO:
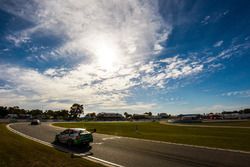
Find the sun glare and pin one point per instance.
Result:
(107, 54)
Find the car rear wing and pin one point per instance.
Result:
(92, 130)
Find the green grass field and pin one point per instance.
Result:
(19, 151)
(233, 123)
(231, 138)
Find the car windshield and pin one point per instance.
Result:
(83, 131)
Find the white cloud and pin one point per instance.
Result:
(179, 67)
(218, 44)
(88, 84)
(227, 53)
(123, 30)
(17, 41)
(206, 20)
(215, 66)
(235, 49)
(55, 72)
(137, 107)
(241, 93)
(214, 17)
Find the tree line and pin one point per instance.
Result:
(243, 111)
(75, 111)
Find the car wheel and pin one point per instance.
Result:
(56, 140)
(85, 145)
(69, 143)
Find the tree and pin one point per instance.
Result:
(126, 115)
(92, 115)
(148, 113)
(64, 114)
(3, 111)
(13, 110)
(36, 112)
(247, 110)
(76, 110)
(49, 114)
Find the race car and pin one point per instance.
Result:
(74, 136)
(35, 122)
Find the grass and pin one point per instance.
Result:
(231, 123)
(230, 138)
(19, 151)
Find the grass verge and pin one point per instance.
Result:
(233, 123)
(229, 138)
(19, 151)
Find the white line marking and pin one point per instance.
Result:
(91, 158)
(107, 162)
(83, 154)
(97, 143)
(57, 127)
(111, 138)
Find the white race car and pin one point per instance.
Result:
(35, 122)
(74, 136)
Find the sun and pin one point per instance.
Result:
(107, 53)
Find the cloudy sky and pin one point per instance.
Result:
(176, 56)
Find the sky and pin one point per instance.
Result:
(135, 56)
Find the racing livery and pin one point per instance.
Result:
(74, 136)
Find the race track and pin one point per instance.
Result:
(140, 153)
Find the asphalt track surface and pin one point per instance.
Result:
(139, 153)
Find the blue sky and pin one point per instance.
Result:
(177, 56)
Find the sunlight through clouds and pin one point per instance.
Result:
(107, 54)
(111, 36)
